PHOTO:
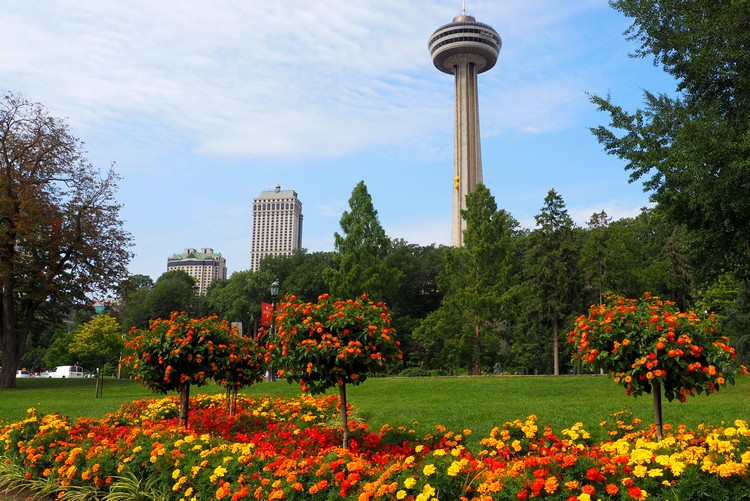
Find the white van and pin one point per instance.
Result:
(67, 371)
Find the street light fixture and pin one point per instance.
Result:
(274, 295)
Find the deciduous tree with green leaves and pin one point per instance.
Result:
(691, 146)
(96, 341)
(61, 237)
(332, 343)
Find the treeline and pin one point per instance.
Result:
(502, 303)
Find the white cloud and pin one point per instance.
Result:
(274, 79)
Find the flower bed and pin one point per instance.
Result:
(288, 449)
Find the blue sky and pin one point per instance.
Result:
(202, 105)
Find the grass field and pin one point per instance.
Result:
(477, 403)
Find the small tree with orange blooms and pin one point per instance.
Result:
(333, 343)
(649, 346)
(242, 362)
(176, 353)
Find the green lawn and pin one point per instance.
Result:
(478, 403)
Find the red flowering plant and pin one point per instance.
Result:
(241, 363)
(333, 343)
(175, 353)
(649, 346)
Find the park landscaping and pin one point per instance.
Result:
(283, 444)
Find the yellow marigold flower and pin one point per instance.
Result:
(655, 472)
(410, 482)
(428, 491)
(584, 497)
(730, 468)
(419, 448)
(429, 469)
(640, 456)
(454, 469)
(439, 452)
(746, 457)
(401, 494)
(409, 461)
(176, 474)
(640, 471)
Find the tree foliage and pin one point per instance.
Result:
(97, 341)
(692, 147)
(301, 273)
(360, 261)
(239, 298)
(478, 281)
(61, 238)
(552, 260)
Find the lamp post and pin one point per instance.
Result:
(274, 295)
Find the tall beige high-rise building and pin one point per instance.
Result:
(465, 48)
(204, 265)
(277, 225)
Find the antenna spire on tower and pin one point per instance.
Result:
(463, 7)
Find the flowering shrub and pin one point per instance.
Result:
(333, 343)
(242, 364)
(175, 353)
(284, 449)
(648, 345)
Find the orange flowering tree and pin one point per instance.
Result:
(176, 353)
(649, 346)
(332, 343)
(241, 364)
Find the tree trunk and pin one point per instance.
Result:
(555, 346)
(12, 341)
(12, 337)
(656, 390)
(184, 405)
(476, 363)
(99, 380)
(344, 416)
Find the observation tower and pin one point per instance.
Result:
(465, 48)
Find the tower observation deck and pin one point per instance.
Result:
(465, 48)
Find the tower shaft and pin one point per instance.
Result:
(467, 144)
(465, 48)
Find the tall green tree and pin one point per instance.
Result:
(418, 294)
(478, 281)
(692, 146)
(239, 298)
(133, 308)
(61, 237)
(360, 262)
(552, 267)
(174, 290)
(301, 273)
(97, 341)
(651, 256)
(595, 254)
